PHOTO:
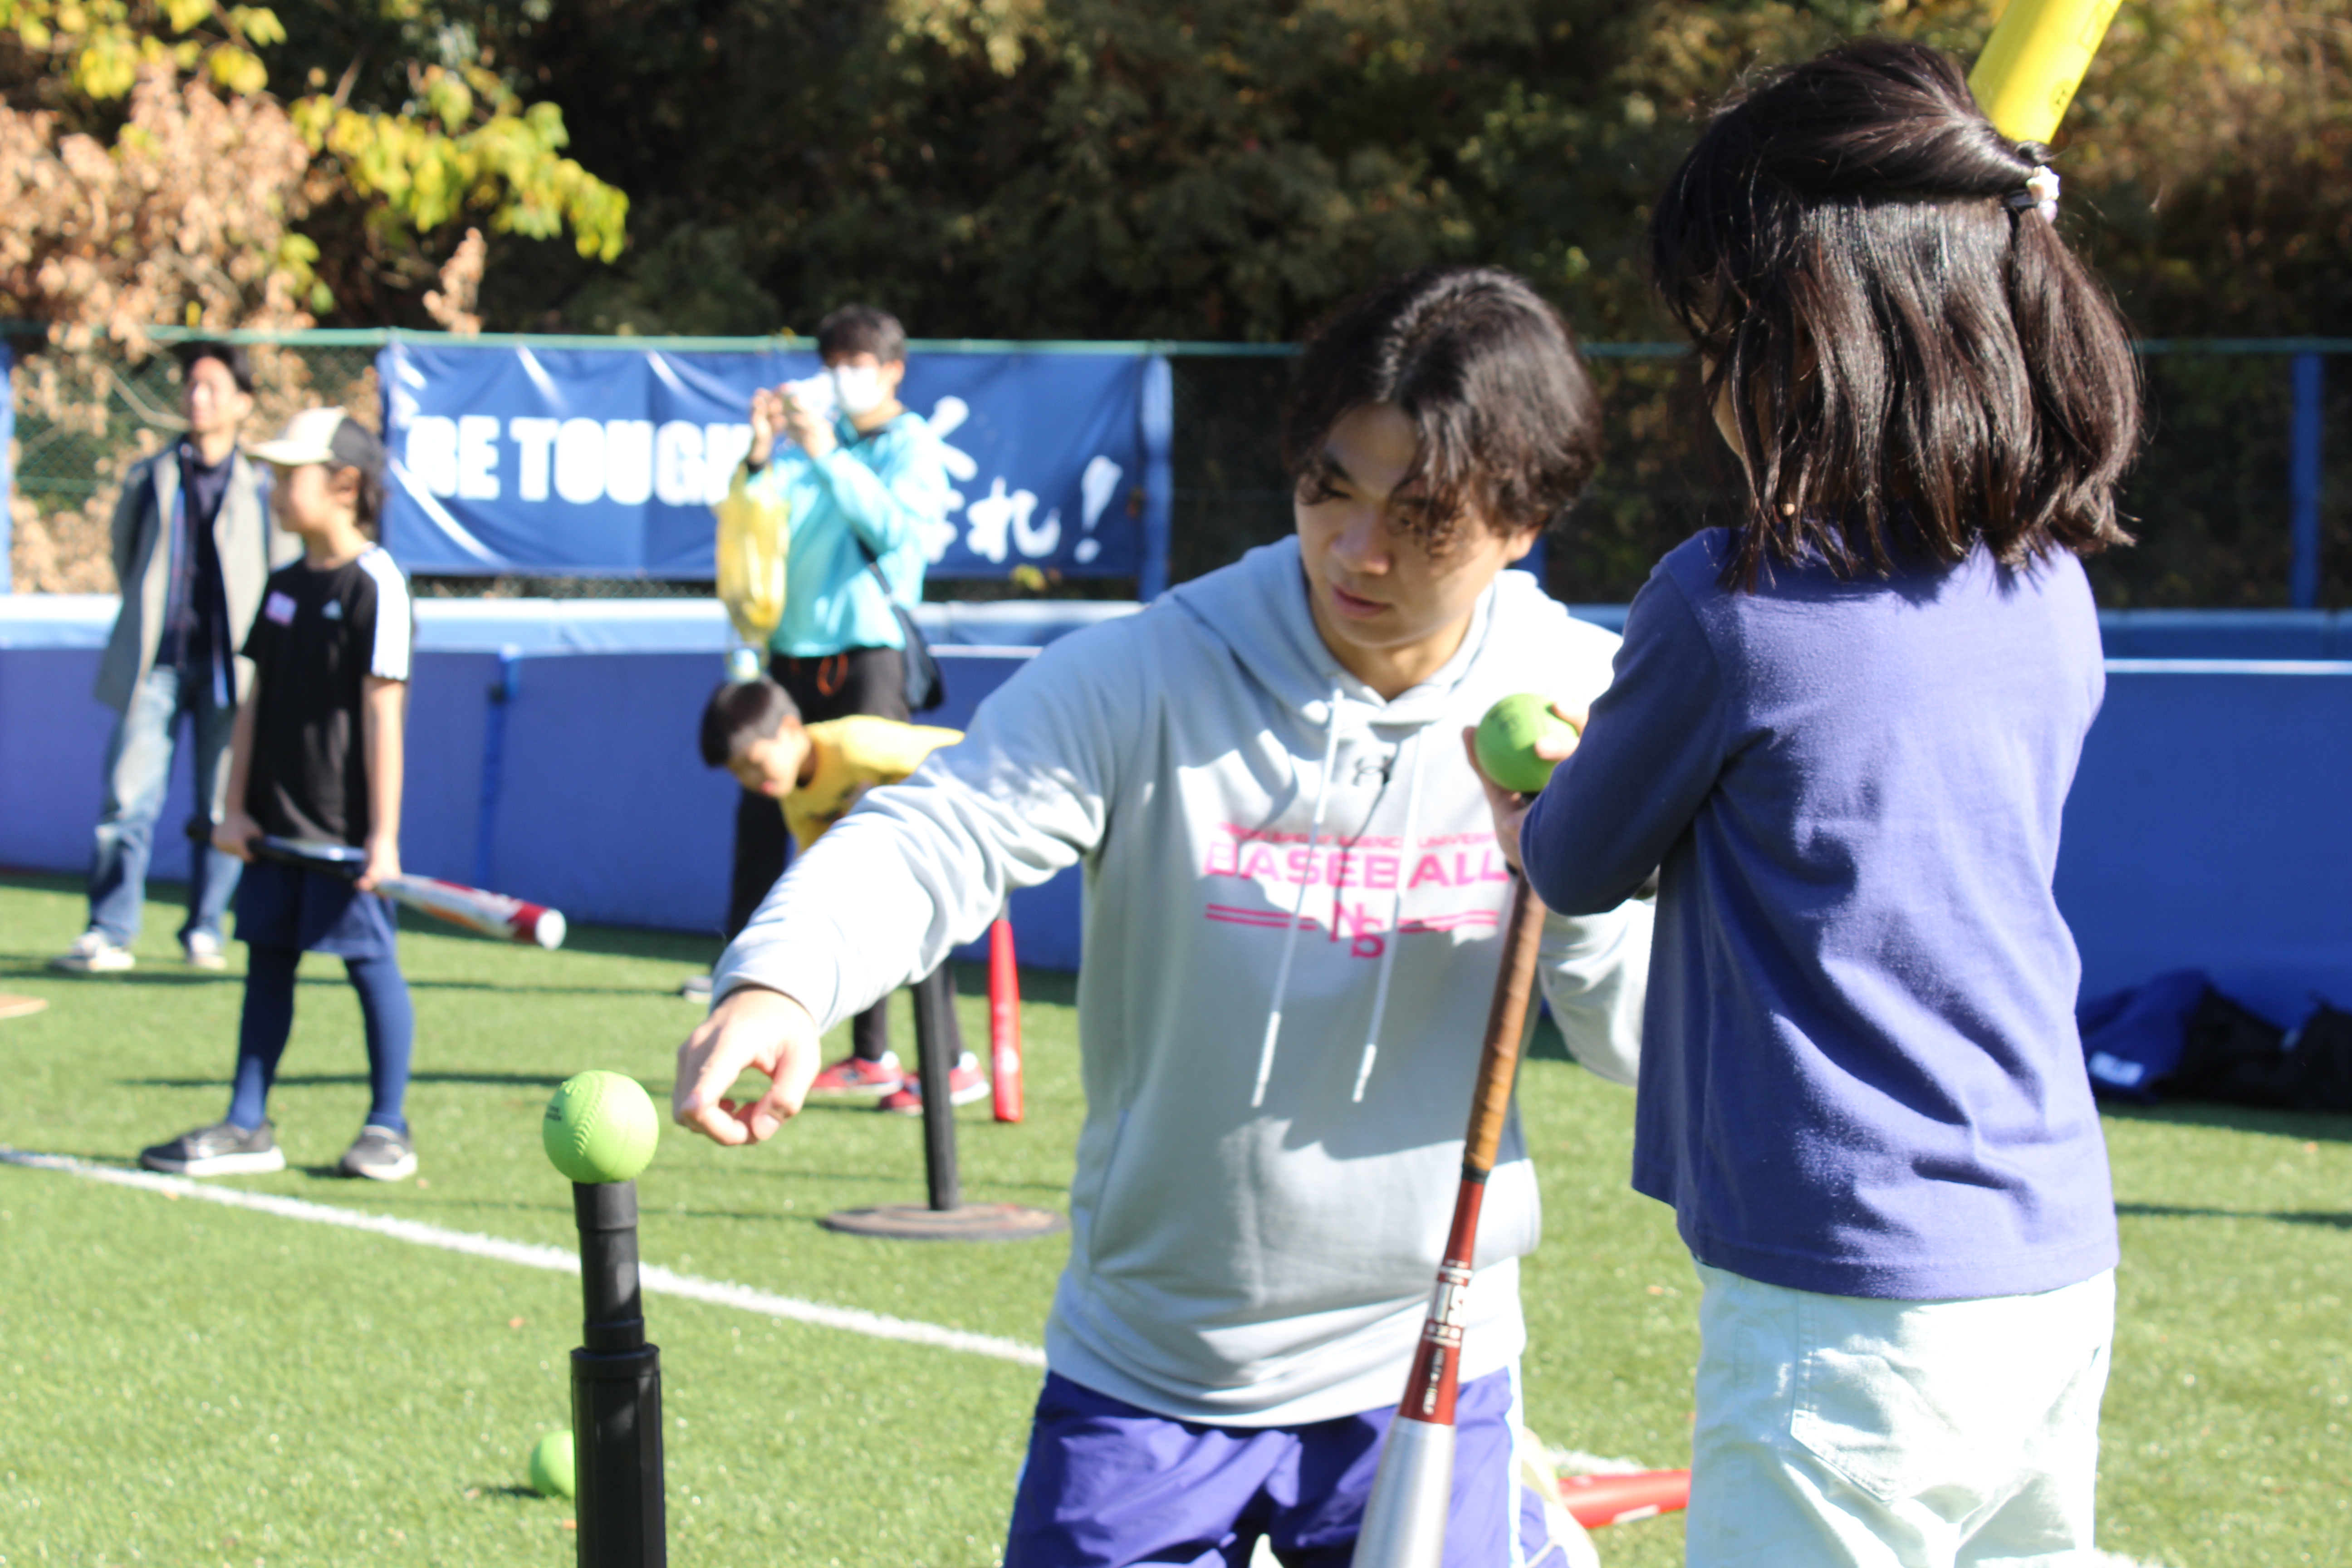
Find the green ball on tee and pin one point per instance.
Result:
(601, 1127)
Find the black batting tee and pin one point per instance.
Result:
(319, 636)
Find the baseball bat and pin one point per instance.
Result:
(490, 914)
(1004, 1021)
(1404, 1516)
(2034, 61)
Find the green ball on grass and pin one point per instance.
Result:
(600, 1126)
(1507, 736)
(551, 1472)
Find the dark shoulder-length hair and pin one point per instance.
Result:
(1917, 361)
(1508, 422)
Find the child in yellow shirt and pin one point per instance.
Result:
(815, 773)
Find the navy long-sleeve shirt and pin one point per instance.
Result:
(1860, 1071)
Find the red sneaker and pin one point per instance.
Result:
(855, 1075)
(964, 1086)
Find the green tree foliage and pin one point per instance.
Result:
(1231, 168)
(1208, 169)
(431, 135)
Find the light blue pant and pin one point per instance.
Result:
(1839, 1432)
(138, 773)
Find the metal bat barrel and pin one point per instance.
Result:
(616, 1422)
(491, 915)
(1404, 1518)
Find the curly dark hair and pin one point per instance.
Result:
(1508, 422)
(1917, 361)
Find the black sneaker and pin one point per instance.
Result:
(380, 1156)
(224, 1149)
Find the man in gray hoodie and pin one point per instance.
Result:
(1294, 898)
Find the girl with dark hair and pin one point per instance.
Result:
(1293, 897)
(1841, 733)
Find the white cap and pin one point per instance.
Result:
(326, 435)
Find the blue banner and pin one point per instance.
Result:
(605, 461)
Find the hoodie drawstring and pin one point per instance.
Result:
(1298, 905)
(1396, 920)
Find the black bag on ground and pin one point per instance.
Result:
(2233, 1057)
(2324, 1047)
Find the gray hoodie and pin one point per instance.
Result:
(1293, 901)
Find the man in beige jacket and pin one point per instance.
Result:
(193, 548)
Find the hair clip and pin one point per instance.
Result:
(2039, 194)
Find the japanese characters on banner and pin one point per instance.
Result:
(605, 461)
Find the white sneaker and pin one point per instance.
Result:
(94, 953)
(203, 951)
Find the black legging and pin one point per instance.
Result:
(862, 680)
(386, 1011)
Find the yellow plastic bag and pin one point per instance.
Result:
(754, 534)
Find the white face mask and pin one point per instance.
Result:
(858, 388)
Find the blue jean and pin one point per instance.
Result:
(138, 773)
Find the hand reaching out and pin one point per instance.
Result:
(754, 1030)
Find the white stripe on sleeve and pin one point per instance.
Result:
(389, 661)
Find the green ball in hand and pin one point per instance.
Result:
(600, 1126)
(552, 1473)
(1507, 740)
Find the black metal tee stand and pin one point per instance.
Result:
(939, 1046)
(616, 1424)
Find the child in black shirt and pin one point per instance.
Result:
(318, 756)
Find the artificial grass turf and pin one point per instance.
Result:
(188, 1382)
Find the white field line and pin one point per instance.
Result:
(555, 1259)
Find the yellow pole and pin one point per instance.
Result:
(2034, 61)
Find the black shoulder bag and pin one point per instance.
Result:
(926, 688)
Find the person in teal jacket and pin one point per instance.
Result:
(868, 495)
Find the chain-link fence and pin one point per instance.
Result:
(2232, 473)
(83, 417)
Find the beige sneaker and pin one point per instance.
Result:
(94, 953)
(203, 951)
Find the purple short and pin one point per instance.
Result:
(1107, 1485)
